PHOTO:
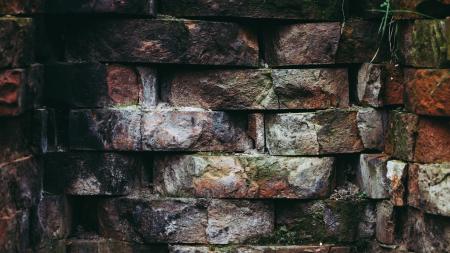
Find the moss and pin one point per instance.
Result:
(429, 43)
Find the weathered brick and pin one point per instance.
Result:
(259, 249)
(105, 129)
(371, 126)
(162, 41)
(15, 138)
(97, 85)
(323, 132)
(428, 91)
(103, 245)
(385, 228)
(259, 89)
(194, 131)
(342, 221)
(15, 7)
(270, 9)
(16, 43)
(229, 221)
(256, 131)
(428, 187)
(396, 176)
(433, 141)
(371, 175)
(400, 138)
(91, 173)
(244, 176)
(322, 43)
(130, 7)
(379, 85)
(425, 43)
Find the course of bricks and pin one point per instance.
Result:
(216, 126)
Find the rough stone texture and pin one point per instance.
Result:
(244, 176)
(371, 175)
(256, 131)
(21, 6)
(12, 91)
(136, 7)
(194, 131)
(103, 245)
(400, 138)
(91, 173)
(259, 89)
(425, 43)
(269, 9)
(322, 132)
(385, 228)
(396, 176)
(428, 91)
(97, 85)
(433, 141)
(16, 43)
(426, 233)
(105, 129)
(429, 187)
(259, 249)
(162, 41)
(146, 220)
(229, 221)
(342, 221)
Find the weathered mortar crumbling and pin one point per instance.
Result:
(224, 126)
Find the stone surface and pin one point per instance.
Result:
(425, 43)
(323, 221)
(371, 175)
(104, 245)
(97, 85)
(259, 89)
(194, 131)
(400, 138)
(433, 141)
(105, 129)
(91, 173)
(324, 132)
(229, 221)
(259, 249)
(16, 43)
(13, 84)
(396, 177)
(162, 41)
(429, 187)
(256, 131)
(385, 228)
(428, 91)
(244, 176)
(135, 7)
(270, 9)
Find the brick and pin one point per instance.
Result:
(371, 175)
(330, 220)
(229, 221)
(379, 85)
(256, 130)
(322, 132)
(428, 188)
(244, 176)
(433, 140)
(428, 91)
(400, 138)
(105, 129)
(21, 7)
(396, 176)
(15, 138)
(194, 131)
(259, 89)
(103, 245)
(97, 85)
(425, 43)
(16, 42)
(371, 126)
(162, 41)
(385, 228)
(258, 249)
(322, 43)
(270, 9)
(130, 7)
(91, 173)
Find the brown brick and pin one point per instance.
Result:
(428, 91)
(256, 131)
(16, 42)
(130, 7)
(385, 230)
(400, 138)
(433, 141)
(162, 41)
(259, 89)
(269, 9)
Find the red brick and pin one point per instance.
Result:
(433, 141)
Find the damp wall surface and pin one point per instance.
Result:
(224, 126)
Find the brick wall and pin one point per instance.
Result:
(224, 126)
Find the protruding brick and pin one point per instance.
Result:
(269, 9)
(130, 7)
(385, 229)
(425, 43)
(322, 43)
(162, 41)
(323, 132)
(16, 42)
(428, 91)
(105, 129)
(194, 131)
(400, 139)
(396, 176)
(229, 221)
(433, 141)
(98, 85)
(428, 187)
(244, 176)
(91, 173)
(371, 175)
(259, 89)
